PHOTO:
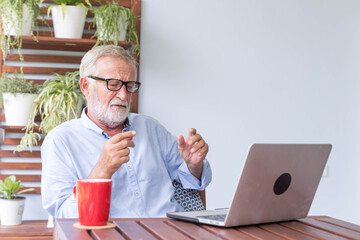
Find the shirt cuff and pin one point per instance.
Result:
(190, 181)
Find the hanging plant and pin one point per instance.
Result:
(111, 19)
(57, 102)
(12, 15)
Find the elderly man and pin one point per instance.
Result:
(140, 156)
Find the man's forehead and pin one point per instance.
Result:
(114, 59)
(114, 63)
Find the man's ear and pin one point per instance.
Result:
(84, 86)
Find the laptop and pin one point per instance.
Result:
(278, 183)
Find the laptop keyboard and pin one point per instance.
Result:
(218, 217)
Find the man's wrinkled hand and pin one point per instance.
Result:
(193, 150)
(114, 154)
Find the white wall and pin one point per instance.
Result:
(258, 71)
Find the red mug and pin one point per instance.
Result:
(93, 198)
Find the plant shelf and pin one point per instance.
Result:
(16, 129)
(26, 165)
(63, 44)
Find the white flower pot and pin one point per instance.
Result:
(11, 24)
(121, 34)
(11, 210)
(70, 26)
(17, 108)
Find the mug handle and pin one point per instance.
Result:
(74, 191)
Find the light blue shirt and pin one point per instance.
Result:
(141, 187)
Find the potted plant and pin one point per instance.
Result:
(11, 205)
(68, 18)
(17, 95)
(18, 18)
(115, 23)
(60, 100)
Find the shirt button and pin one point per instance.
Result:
(129, 166)
(137, 193)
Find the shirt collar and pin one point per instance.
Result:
(88, 123)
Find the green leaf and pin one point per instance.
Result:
(5, 194)
(12, 178)
(9, 187)
(15, 187)
(25, 190)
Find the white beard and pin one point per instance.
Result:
(112, 117)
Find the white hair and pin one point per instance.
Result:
(88, 67)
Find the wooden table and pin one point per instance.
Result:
(31, 229)
(164, 228)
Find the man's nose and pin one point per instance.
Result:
(122, 93)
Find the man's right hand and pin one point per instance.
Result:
(114, 154)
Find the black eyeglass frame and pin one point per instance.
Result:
(122, 83)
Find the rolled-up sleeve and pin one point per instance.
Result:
(176, 165)
(190, 181)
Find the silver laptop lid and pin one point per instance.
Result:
(278, 183)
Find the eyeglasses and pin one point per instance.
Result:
(116, 84)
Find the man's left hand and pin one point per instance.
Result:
(193, 150)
